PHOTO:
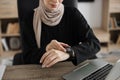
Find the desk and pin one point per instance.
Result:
(35, 72)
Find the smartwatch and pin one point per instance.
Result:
(70, 51)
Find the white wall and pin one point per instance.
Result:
(92, 11)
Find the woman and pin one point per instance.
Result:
(58, 34)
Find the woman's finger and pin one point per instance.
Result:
(49, 59)
(64, 44)
(53, 62)
(44, 56)
(58, 46)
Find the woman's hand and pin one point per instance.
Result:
(54, 44)
(53, 56)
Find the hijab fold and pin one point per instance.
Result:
(48, 17)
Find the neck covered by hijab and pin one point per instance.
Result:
(48, 17)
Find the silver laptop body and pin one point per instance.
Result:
(88, 68)
(114, 73)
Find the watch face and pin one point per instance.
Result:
(70, 51)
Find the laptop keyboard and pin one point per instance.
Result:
(100, 74)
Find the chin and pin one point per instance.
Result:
(52, 9)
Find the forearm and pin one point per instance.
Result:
(87, 48)
(85, 51)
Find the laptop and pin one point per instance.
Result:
(97, 69)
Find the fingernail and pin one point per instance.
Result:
(43, 66)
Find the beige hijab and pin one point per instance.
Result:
(42, 14)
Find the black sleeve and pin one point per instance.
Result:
(88, 44)
(30, 52)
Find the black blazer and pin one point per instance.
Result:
(27, 35)
(25, 10)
